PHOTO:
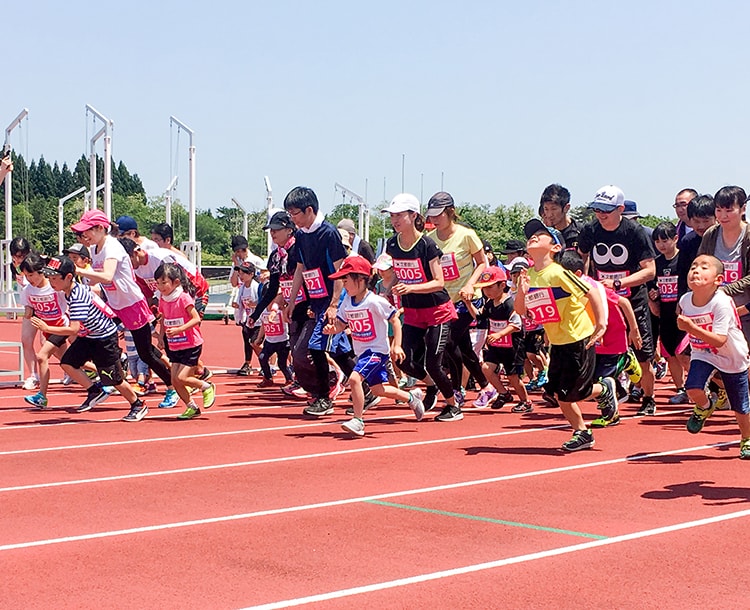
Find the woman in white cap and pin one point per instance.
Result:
(428, 309)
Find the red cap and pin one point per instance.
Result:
(491, 275)
(90, 219)
(353, 264)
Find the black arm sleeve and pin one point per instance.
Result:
(269, 294)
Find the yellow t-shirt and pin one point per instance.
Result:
(557, 299)
(458, 258)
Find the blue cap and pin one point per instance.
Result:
(631, 210)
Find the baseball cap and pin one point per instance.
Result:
(514, 245)
(78, 249)
(535, 225)
(487, 246)
(438, 202)
(490, 276)
(607, 198)
(89, 220)
(631, 210)
(347, 224)
(518, 264)
(126, 223)
(353, 264)
(403, 202)
(60, 265)
(383, 262)
(280, 220)
(238, 242)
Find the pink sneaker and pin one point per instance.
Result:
(299, 392)
(336, 391)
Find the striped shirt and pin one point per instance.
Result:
(94, 314)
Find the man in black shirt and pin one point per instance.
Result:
(554, 206)
(621, 256)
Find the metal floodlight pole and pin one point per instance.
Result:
(244, 216)
(191, 178)
(269, 208)
(60, 206)
(364, 212)
(168, 201)
(106, 132)
(8, 180)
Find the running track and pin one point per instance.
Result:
(253, 505)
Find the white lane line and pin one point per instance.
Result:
(290, 458)
(489, 565)
(345, 501)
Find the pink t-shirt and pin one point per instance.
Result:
(176, 314)
(615, 338)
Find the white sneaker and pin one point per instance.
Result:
(416, 403)
(31, 383)
(485, 397)
(355, 426)
(67, 379)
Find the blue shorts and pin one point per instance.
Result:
(372, 367)
(735, 384)
(334, 344)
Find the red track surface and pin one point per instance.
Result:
(253, 504)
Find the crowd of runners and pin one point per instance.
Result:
(572, 312)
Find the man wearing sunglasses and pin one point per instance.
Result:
(621, 256)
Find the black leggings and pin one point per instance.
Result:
(460, 353)
(424, 348)
(281, 349)
(149, 354)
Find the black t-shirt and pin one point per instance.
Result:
(502, 313)
(413, 267)
(667, 283)
(688, 251)
(570, 234)
(617, 254)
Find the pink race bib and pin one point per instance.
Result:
(316, 286)
(361, 325)
(706, 322)
(667, 285)
(541, 304)
(409, 271)
(495, 327)
(450, 267)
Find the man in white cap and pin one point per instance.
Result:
(621, 256)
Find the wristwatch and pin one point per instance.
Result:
(617, 284)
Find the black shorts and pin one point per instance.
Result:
(571, 371)
(104, 353)
(534, 341)
(187, 357)
(606, 366)
(56, 340)
(643, 319)
(511, 361)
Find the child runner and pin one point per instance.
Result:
(19, 250)
(367, 316)
(505, 345)
(247, 299)
(710, 317)
(40, 300)
(180, 324)
(276, 333)
(554, 298)
(96, 339)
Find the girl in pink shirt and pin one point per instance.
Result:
(182, 337)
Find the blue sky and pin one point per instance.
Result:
(501, 98)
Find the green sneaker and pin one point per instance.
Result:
(189, 413)
(745, 449)
(607, 402)
(699, 416)
(631, 366)
(209, 396)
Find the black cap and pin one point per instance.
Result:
(514, 245)
(78, 249)
(238, 242)
(280, 220)
(61, 265)
(487, 246)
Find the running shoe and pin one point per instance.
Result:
(648, 406)
(190, 412)
(94, 396)
(721, 401)
(459, 397)
(319, 407)
(170, 400)
(37, 400)
(370, 401)
(485, 397)
(206, 374)
(632, 367)
(300, 392)
(660, 369)
(533, 385)
(355, 426)
(542, 379)
(406, 383)
(522, 407)
(430, 397)
(138, 411)
(67, 379)
(607, 402)
(550, 400)
(336, 390)
(500, 401)
(209, 396)
(415, 402)
(581, 439)
(699, 416)
(745, 449)
(450, 413)
(636, 394)
(266, 382)
(289, 388)
(244, 370)
(680, 398)
(31, 383)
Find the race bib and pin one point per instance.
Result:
(285, 286)
(316, 286)
(667, 285)
(450, 267)
(615, 275)
(151, 283)
(542, 305)
(273, 326)
(46, 307)
(732, 271)
(409, 271)
(529, 324)
(99, 266)
(361, 325)
(177, 339)
(706, 322)
(248, 303)
(495, 327)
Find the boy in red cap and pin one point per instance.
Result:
(367, 316)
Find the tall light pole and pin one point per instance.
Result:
(106, 133)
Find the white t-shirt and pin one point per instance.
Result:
(48, 304)
(123, 291)
(156, 257)
(718, 316)
(247, 299)
(368, 322)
